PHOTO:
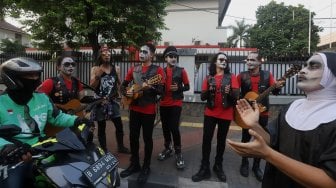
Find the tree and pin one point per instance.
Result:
(240, 34)
(8, 46)
(283, 30)
(87, 22)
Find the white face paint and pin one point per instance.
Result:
(67, 66)
(221, 61)
(252, 61)
(171, 59)
(145, 54)
(310, 76)
(106, 56)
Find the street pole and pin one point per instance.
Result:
(309, 32)
(330, 39)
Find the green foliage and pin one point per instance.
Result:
(8, 46)
(240, 34)
(283, 30)
(91, 22)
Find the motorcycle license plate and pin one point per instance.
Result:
(97, 171)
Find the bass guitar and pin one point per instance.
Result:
(138, 90)
(253, 96)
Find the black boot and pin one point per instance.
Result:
(144, 173)
(256, 169)
(203, 173)
(244, 168)
(133, 168)
(120, 142)
(218, 169)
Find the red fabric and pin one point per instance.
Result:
(168, 100)
(218, 111)
(150, 108)
(47, 86)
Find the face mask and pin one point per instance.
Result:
(67, 66)
(171, 59)
(310, 76)
(145, 54)
(221, 61)
(252, 62)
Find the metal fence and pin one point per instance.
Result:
(277, 66)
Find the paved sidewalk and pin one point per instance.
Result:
(191, 131)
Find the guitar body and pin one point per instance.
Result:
(253, 96)
(126, 101)
(249, 96)
(69, 108)
(138, 91)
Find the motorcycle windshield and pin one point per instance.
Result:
(69, 139)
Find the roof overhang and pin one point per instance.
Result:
(223, 5)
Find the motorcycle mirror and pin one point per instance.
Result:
(8, 131)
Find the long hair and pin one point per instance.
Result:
(212, 66)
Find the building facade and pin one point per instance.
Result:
(193, 22)
(9, 31)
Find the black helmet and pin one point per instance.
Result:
(11, 69)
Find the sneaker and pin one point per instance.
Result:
(179, 161)
(165, 154)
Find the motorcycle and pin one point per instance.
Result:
(69, 159)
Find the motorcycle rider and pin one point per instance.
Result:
(29, 110)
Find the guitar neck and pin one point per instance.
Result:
(265, 93)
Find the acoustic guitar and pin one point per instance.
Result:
(73, 107)
(253, 96)
(138, 90)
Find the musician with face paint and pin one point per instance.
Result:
(142, 109)
(64, 87)
(299, 146)
(105, 80)
(171, 106)
(256, 80)
(220, 89)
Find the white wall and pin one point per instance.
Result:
(200, 24)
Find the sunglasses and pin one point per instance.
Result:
(67, 64)
(251, 60)
(144, 51)
(221, 59)
(172, 56)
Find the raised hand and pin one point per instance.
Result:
(256, 148)
(249, 115)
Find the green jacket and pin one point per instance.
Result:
(40, 108)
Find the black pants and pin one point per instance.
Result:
(246, 137)
(209, 126)
(170, 118)
(146, 121)
(102, 127)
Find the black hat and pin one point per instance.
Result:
(170, 50)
